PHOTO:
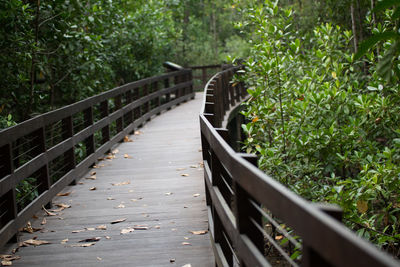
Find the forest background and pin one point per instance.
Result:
(323, 76)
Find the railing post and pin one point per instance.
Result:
(137, 111)
(9, 209)
(166, 85)
(69, 155)
(147, 107)
(158, 99)
(118, 106)
(244, 210)
(129, 115)
(177, 80)
(105, 131)
(204, 76)
(88, 120)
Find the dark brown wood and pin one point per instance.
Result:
(105, 131)
(118, 106)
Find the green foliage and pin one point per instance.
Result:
(320, 125)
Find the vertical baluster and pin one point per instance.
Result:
(105, 131)
(69, 155)
(137, 112)
(158, 99)
(9, 209)
(44, 178)
(167, 96)
(129, 115)
(146, 93)
(177, 80)
(88, 121)
(204, 77)
(118, 106)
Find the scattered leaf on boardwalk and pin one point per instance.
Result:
(185, 174)
(201, 232)
(141, 227)
(99, 259)
(187, 265)
(64, 194)
(196, 195)
(64, 206)
(48, 212)
(181, 169)
(193, 166)
(90, 228)
(7, 257)
(92, 239)
(92, 188)
(171, 260)
(138, 132)
(120, 206)
(107, 237)
(121, 183)
(127, 156)
(92, 177)
(186, 238)
(44, 221)
(64, 241)
(102, 227)
(85, 245)
(77, 231)
(127, 139)
(6, 263)
(110, 198)
(93, 173)
(118, 221)
(168, 193)
(127, 230)
(33, 242)
(157, 227)
(174, 229)
(186, 244)
(29, 229)
(115, 151)
(110, 156)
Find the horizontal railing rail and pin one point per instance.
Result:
(256, 221)
(40, 156)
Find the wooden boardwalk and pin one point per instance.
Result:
(155, 183)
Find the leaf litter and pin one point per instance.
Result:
(121, 183)
(118, 221)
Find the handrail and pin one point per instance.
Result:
(250, 213)
(50, 151)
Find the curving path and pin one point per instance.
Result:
(155, 183)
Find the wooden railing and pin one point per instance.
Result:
(256, 221)
(201, 75)
(41, 156)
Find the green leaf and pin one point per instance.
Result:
(373, 40)
(385, 4)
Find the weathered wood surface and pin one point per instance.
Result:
(158, 196)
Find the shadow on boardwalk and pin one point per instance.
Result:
(155, 183)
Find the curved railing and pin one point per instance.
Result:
(256, 221)
(41, 156)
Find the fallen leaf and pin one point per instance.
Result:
(138, 132)
(83, 245)
(35, 217)
(92, 239)
(186, 238)
(127, 156)
(122, 183)
(120, 206)
(110, 156)
(141, 227)
(90, 228)
(131, 191)
(33, 242)
(7, 257)
(186, 244)
(64, 241)
(193, 166)
(44, 221)
(168, 193)
(115, 151)
(62, 205)
(93, 177)
(92, 188)
(127, 230)
(157, 227)
(6, 263)
(196, 195)
(29, 229)
(201, 232)
(127, 139)
(95, 167)
(48, 212)
(187, 265)
(107, 237)
(171, 260)
(81, 183)
(77, 231)
(185, 174)
(174, 229)
(64, 194)
(101, 227)
(93, 173)
(98, 258)
(278, 237)
(118, 221)
(362, 206)
(181, 169)
(110, 198)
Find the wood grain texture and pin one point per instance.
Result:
(157, 196)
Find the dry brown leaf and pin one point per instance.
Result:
(127, 156)
(110, 198)
(64, 194)
(115, 151)
(362, 206)
(127, 139)
(140, 227)
(186, 244)
(33, 242)
(187, 265)
(44, 221)
(157, 227)
(98, 258)
(62, 205)
(186, 238)
(193, 166)
(185, 174)
(48, 212)
(201, 232)
(6, 263)
(171, 260)
(122, 183)
(278, 237)
(77, 231)
(35, 217)
(64, 241)
(107, 237)
(83, 245)
(29, 229)
(7, 257)
(81, 183)
(95, 166)
(92, 177)
(168, 193)
(102, 227)
(90, 228)
(120, 206)
(138, 132)
(92, 188)
(196, 195)
(127, 230)
(92, 173)
(118, 221)
(181, 169)
(110, 156)
(174, 229)
(92, 239)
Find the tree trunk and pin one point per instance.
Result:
(354, 28)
